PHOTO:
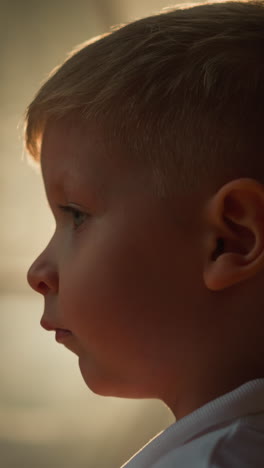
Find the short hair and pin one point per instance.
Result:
(181, 90)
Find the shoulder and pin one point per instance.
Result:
(241, 444)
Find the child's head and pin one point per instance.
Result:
(150, 143)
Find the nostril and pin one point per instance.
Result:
(43, 277)
(43, 288)
(36, 283)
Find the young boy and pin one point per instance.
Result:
(150, 141)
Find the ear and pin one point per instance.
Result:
(235, 234)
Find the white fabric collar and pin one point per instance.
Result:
(244, 400)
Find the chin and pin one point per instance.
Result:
(105, 385)
(94, 380)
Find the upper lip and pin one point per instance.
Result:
(48, 326)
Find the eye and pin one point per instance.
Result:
(78, 216)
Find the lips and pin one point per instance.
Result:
(62, 335)
(52, 327)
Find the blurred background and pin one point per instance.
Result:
(48, 417)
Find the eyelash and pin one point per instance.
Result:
(73, 211)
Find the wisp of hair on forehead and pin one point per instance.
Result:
(182, 91)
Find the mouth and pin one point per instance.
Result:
(62, 335)
(52, 327)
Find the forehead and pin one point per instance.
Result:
(74, 155)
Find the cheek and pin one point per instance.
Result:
(118, 285)
(102, 303)
(109, 296)
(97, 288)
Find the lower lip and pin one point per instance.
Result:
(62, 335)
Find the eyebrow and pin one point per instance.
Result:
(86, 193)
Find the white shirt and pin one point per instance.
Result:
(227, 432)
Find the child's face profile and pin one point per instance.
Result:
(118, 271)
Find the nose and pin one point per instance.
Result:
(42, 276)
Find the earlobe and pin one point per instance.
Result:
(230, 269)
(235, 234)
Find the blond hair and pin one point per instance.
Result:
(182, 91)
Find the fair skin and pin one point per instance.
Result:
(139, 281)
